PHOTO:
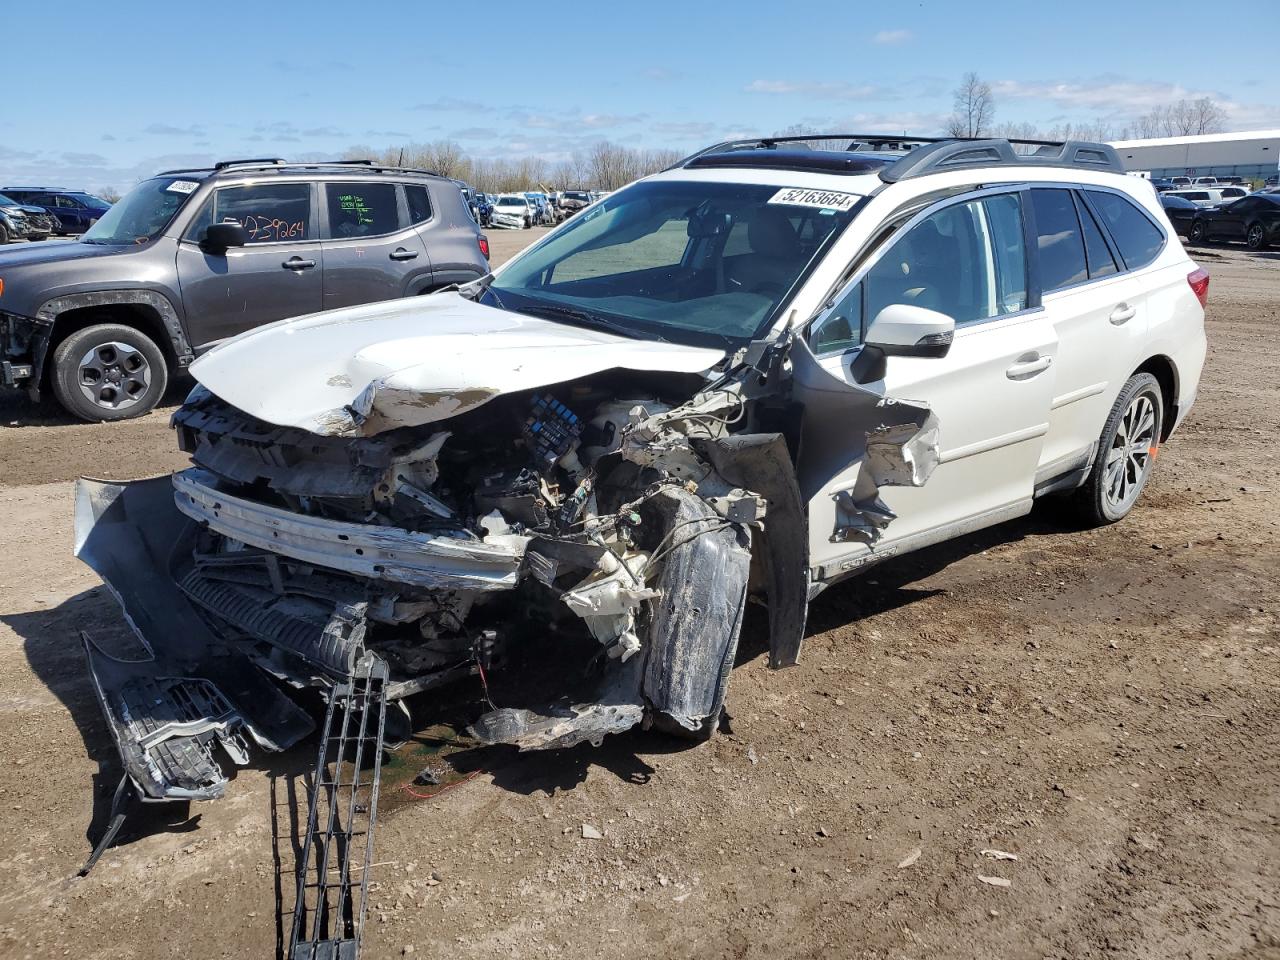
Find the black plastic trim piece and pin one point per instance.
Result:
(948, 155)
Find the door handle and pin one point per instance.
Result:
(1123, 314)
(1028, 366)
(297, 263)
(400, 253)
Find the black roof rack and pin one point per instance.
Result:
(281, 166)
(915, 156)
(256, 161)
(810, 161)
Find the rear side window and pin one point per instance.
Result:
(419, 203)
(1139, 240)
(1062, 261)
(1101, 262)
(269, 212)
(361, 209)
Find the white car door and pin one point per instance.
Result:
(990, 393)
(1099, 313)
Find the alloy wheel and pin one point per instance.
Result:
(1132, 452)
(113, 375)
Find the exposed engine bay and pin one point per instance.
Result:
(560, 508)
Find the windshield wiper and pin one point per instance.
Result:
(587, 319)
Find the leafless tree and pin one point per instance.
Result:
(1182, 119)
(974, 109)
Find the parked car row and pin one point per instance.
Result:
(1253, 219)
(69, 211)
(527, 209)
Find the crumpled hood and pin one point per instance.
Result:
(362, 370)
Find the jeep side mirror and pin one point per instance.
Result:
(902, 330)
(219, 237)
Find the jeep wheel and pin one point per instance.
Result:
(1256, 238)
(4, 235)
(109, 372)
(1197, 231)
(1126, 452)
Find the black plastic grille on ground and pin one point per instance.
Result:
(337, 849)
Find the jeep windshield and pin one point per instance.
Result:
(705, 264)
(142, 213)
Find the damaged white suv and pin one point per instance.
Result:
(751, 375)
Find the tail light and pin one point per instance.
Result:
(1199, 280)
(484, 248)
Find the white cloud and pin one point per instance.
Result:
(892, 37)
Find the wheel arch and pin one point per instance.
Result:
(1165, 371)
(145, 310)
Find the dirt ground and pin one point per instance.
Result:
(1102, 704)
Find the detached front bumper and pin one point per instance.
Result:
(24, 344)
(193, 692)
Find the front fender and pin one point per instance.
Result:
(50, 310)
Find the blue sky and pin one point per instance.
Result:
(139, 86)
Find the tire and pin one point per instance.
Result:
(1255, 237)
(1126, 453)
(1197, 234)
(4, 235)
(109, 372)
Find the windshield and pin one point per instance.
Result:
(142, 213)
(6, 202)
(512, 202)
(576, 195)
(694, 262)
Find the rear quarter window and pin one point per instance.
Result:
(1139, 239)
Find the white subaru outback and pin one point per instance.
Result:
(752, 375)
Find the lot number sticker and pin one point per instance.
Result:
(182, 186)
(822, 199)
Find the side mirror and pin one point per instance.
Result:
(219, 237)
(902, 330)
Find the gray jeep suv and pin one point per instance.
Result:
(190, 258)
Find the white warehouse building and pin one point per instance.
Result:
(1253, 154)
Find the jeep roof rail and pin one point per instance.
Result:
(919, 156)
(253, 161)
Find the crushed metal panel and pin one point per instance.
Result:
(617, 707)
(761, 462)
(890, 442)
(376, 552)
(363, 370)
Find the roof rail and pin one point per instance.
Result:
(223, 164)
(941, 156)
(853, 141)
(924, 155)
